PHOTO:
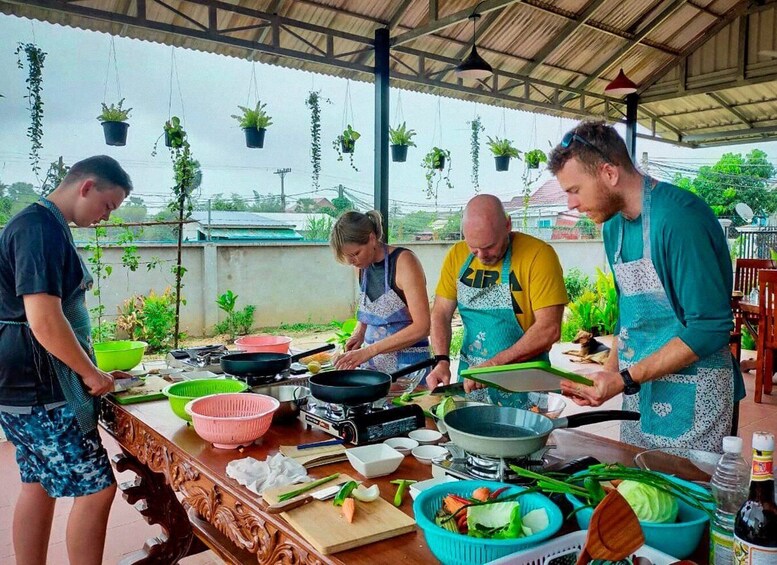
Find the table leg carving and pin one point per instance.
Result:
(158, 504)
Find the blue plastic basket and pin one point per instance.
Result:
(458, 549)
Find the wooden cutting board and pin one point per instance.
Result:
(323, 525)
(315, 456)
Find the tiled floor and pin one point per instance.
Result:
(127, 531)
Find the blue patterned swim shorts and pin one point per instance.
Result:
(52, 450)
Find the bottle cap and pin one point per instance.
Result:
(732, 444)
(763, 441)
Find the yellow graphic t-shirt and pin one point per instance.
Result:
(536, 277)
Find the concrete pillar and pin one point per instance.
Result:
(210, 286)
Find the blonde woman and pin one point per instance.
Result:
(393, 314)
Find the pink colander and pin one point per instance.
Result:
(231, 420)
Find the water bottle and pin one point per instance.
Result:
(753, 297)
(729, 487)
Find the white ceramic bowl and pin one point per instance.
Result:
(425, 436)
(402, 444)
(425, 453)
(374, 460)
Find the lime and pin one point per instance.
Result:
(445, 406)
(314, 367)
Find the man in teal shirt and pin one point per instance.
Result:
(674, 278)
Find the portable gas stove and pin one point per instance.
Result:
(204, 358)
(365, 423)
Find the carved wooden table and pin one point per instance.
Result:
(182, 485)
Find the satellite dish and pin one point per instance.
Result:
(768, 53)
(744, 211)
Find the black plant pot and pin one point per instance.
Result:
(502, 162)
(347, 146)
(399, 153)
(533, 164)
(168, 142)
(254, 137)
(115, 133)
(439, 164)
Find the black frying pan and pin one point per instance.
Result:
(264, 364)
(358, 386)
(507, 432)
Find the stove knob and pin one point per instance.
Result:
(348, 432)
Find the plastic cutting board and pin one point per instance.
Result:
(536, 376)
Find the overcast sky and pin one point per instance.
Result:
(75, 79)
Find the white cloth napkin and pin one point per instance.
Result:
(275, 471)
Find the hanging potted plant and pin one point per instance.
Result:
(313, 102)
(434, 163)
(346, 143)
(114, 122)
(503, 151)
(535, 157)
(35, 58)
(400, 138)
(476, 127)
(254, 122)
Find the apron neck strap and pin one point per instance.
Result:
(506, 261)
(385, 272)
(647, 190)
(51, 207)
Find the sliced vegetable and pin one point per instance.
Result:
(453, 503)
(349, 509)
(401, 487)
(649, 503)
(344, 492)
(482, 494)
(497, 492)
(445, 406)
(450, 525)
(308, 486)
(595, 489)
(366, 494)
(536, 521)
(501, 520)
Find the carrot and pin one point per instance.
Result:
(349, 509)
(481, 493)
(453, 503)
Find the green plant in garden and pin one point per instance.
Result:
(318, 229)
(457, 339)
(476, 128)
(254, 117)
(114, 113)
(238, 322)
(437, 163)
(576, 282)
(313, 101)
(401, 135)
(534, 157)
(35, 58)
(344, 331)
(748, 341)
(502, 147)
(150, 318)
(346, 143)
(595, 310)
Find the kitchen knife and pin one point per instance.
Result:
(449, 390)
(321, 494)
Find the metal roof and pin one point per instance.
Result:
(230, 219)
(707, 69)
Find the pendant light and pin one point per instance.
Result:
(621, 86)
(474, 66)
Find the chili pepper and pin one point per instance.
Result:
(497, 492)
(594, 487)
(344, 492)
(401, 487)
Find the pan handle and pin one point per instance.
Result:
(585, 418)
(413, 368)
(298, 356)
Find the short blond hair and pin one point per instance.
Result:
(354, 227)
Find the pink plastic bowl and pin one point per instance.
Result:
(231, 420)
(264, 343)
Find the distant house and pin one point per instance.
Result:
(238, 226)
(305, 222)
(547, 214)
(317, 205)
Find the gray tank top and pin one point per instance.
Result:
(376, 279)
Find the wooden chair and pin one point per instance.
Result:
(767, 332)
(745, 279)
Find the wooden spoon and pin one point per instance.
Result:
(614, 532)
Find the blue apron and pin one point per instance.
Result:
(490, 327)
(84, 405)
(383, 317)
(692, 408)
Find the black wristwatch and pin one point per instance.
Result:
(629, 385)
(439, 358)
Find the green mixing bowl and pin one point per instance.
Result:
(181, 393)
(119, 355)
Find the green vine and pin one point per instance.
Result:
(436, 169)
(35, 57)
(474, 150)
(528, 179)
(313, 102)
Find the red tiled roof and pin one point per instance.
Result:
(549, 193)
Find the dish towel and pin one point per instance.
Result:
(275, 471)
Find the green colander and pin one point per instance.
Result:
(181, 393)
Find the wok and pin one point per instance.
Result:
(507, 432)
(358, 386)
(264, 364)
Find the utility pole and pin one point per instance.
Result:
(282, 173)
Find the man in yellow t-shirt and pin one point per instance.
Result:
(508, 288)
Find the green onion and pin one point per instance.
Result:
(308, 486)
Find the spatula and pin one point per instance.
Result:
(321, 494)
(614, 532)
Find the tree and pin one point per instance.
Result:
(267, 203)
(735, 179)
(235, 203)
(452, 228)
(413, 223)
(305, 205)
(587, 228)
(133, 210)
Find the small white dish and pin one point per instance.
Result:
(425, 436)
(402, 444)
(196, 375)
(425, 453)
(421, 486)
(374, 460)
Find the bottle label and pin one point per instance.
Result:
(762, 466)
(746, 553)
(721, 547)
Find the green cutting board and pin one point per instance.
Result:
(151, 389)
(536, 376)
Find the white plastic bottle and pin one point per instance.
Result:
(729, 487)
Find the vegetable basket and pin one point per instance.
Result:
(231, 420)
(565, 549)
(459, 549)
(179, 394)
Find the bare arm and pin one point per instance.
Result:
(442, 314)
(539, 338)
(53, 332)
